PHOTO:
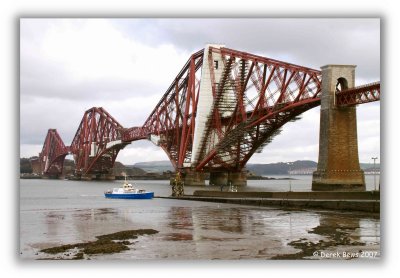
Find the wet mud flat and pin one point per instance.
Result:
(105, 244)
(335, 237)
(197, 230)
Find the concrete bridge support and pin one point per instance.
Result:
(90, 177)
(107, 177)
(36, 167)
(193, 178)
(219, 178)
(338, 163)
(226, 178)
(238, 178)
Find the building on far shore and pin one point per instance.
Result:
(303, 171)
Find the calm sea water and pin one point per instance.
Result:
(300, 183)
(56, 212)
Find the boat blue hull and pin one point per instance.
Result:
(147, 195)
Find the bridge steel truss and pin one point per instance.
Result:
(97, 142)
(359, 95)
(51, 158)
(253, 99)
(173, 119)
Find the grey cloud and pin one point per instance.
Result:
(86, 90)
(40, 78)
(52, 98)
(41, 113)
(308, 42)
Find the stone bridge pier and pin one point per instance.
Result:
(228, 178)
(104, 176)
(193, 178)
(338, 163)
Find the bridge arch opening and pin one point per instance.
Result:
(297, 140)
(341, 84)
(143, 151)
(69, 165)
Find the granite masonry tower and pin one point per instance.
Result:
(338, 163)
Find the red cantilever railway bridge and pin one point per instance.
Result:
(222, 107)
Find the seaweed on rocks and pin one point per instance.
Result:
(105, 244)
(335, 237)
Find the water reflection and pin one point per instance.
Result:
(180, 220)
(216, 231)
(369, 231)
(338, 227)
(233, 222)
(54, 221)
(89, 223)
(187, 230)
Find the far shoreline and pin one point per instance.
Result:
(34, 176)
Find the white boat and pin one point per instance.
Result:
(127, 191)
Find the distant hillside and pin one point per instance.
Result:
(155, 166)
(141, 168)
(25, 165)
(366, 166)
(121, 170)
(298, 167)
(259, 169)
(69, 168)
(282, 168)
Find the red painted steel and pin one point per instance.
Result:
(51, 158)
(97, 142)
(253, 99)
(173, 119)
(358, 95)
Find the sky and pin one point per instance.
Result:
(125, 65)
